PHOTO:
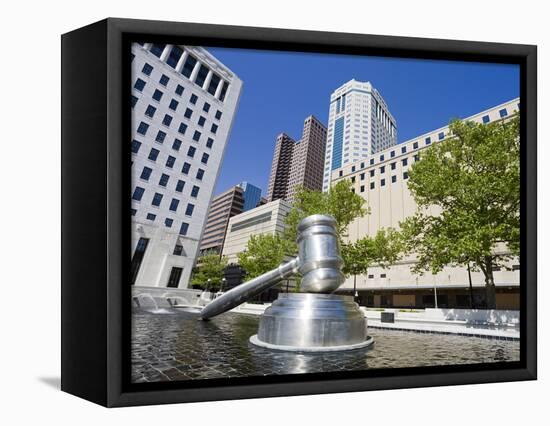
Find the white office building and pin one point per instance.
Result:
(183, 104)
(359, 125)
(265, 219)
(383, 183)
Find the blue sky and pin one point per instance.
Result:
(280, 89)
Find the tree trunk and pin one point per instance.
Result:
(490, 292)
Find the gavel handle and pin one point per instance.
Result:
(249, 289)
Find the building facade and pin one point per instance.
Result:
(382, 182)
(265, 219)
(183, 104)
(240, 198)
(298, 164)
(359, 125)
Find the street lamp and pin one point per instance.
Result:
(223, 284)
(355, 294)
(208, 281)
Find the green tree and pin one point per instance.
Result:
(263, 253)
(209, 267)
(340, 202)
(472, 179)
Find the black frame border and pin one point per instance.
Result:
(96, 337)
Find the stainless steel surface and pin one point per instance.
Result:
(318, 261)
(306, 322)
(249, 289)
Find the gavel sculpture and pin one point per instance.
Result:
(314, 319)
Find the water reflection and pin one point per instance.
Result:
(182, 347)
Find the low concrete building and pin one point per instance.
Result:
(265, 219)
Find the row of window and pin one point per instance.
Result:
(168, 222)
(189, 65)
(164, 179)
(383, 182)
(157, 200)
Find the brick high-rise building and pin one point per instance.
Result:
(299, 163)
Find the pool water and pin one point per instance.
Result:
(176, 345)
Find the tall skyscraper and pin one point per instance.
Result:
(359, 125)
(238, 199)
(297, 164)
(183, 104)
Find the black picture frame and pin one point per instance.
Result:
(96, 221)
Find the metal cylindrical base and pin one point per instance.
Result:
(312, 322)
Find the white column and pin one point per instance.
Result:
(207, 80)
(166, 52)
(195, 71)
(181, 62)
(219, 89)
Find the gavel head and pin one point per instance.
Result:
(319, 255)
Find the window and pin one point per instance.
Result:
(146, 173)
(193, 99)
(353, 179)
(139, 85)
(405, 175)
(170, 161)
(138, 193)
(340, 173)
(352, 169)
(147, 69)
(157, 198)
(381, 158)
(206, 107)
(201, 75)
(415, 145)
(200, 174)
(392, 154)
(214, 81)
(189, 209)
(151, 216)
(167, 120)
(153, 154)
(174, 56)
(178, 250)
(196, 136)
(150, 111)
(224, 90)
(362, 176)
(202, 120)
(372, 185)
(168, 222)
(382, 275)
(441, 135)
(362, 188)
(382, 170)
(179, 89)
(371, 276)
(160, 136)
(371, 173)
(188, 113)
(173, 105)
(392, 166)
(371, 161)
(393, 179)
(157, 95)
(362, 165)
(133, 101)
(191, 151)
(142, 128)
(382, 182)
(174, 278)
(180, 185)
(218, 114)
(403, 149)
(164, 80)
(190, 63)
(157, 49)
(214, 128)
(133, 212)
(404, 161)
(164, 179)
(195, 191)
(185, 169)
(135, 146)
(428, 141)
(182, 128)
(176, 145)
(416, 157)
(209, 143)
(485, 119)
(503, 113)
(204, 159)
(184, 228)
(174, 204)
